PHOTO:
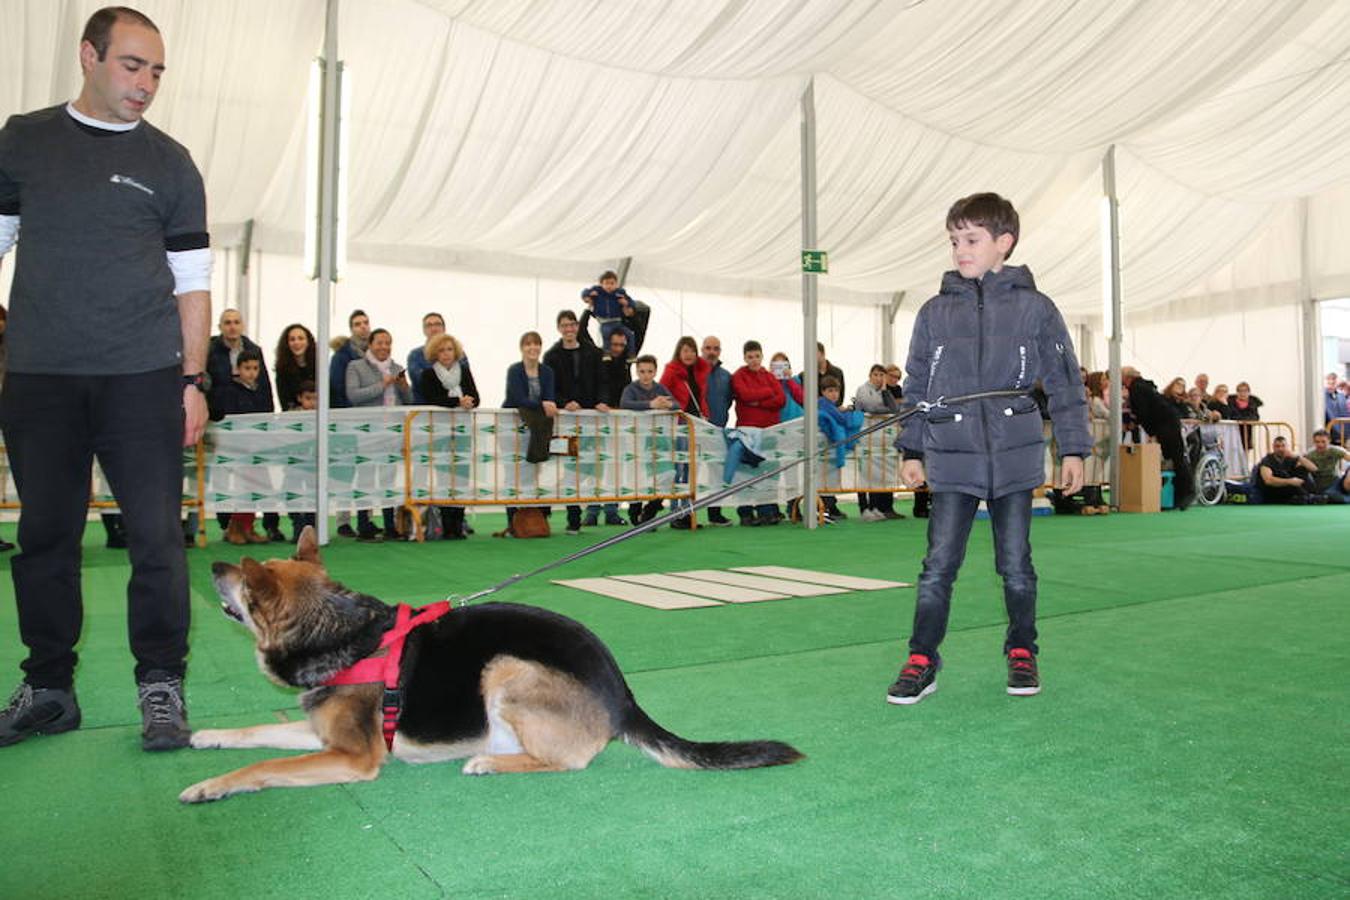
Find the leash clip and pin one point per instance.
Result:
(924, 406)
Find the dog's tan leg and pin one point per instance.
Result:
(558, 723)
(325, 767)
(281, 736)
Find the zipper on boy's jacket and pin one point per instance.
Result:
(979, 377)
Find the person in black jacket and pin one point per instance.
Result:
(295, 364)
(448, 382)
(576, 370)
(1159, 417)
(988, 329)
(245, 394)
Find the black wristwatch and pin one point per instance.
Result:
(198, 381)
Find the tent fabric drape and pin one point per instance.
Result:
(570, 131)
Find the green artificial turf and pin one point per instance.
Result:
(1190, 740)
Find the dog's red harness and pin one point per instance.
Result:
(381, 667)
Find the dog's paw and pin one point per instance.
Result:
(207, 738)
(204, 791)
(480, 765)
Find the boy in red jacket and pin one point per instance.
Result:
(759, 400)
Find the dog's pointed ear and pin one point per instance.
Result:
(256, 575)
(307, 548)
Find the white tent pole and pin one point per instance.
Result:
(810, 373)
(243, 300)
(327, 247)
(1113, 318)
(1311, 333)
(888, 313)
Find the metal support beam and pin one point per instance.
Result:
(888, 314)
(1111, 306)
(330, 105)
(1314, 410)
(810, 373)
(624, 265)
(243, 299)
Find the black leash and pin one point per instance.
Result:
(718, 496)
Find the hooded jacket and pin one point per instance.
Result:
(996, 333)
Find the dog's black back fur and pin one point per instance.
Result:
(467, 639)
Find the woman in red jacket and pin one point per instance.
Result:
(686, 377)
(685, 371)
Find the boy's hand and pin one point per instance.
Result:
(1071, 474)
(911, 473)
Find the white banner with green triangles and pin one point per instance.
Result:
(266, 462)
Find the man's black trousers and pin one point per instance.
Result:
(54, 427)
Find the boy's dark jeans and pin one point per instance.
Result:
(949, 522)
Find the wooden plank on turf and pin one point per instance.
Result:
(759, 582)
(727, 592)
(637, 593)
(852, 582)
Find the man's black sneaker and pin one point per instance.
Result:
(1023, 679)
(681, 524)
(163, 715)
(37, 711)
(370, 536)
(917, 679)
(276, 536)
(718, 520)
(615, 519)
(346, 531)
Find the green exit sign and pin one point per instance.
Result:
(815, 262)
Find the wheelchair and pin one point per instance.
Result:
(1204, 448)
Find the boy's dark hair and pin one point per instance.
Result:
(307, 387)
(249, 355)
(751, 345)
(988, 211)
(820, 347)
(1322, 432)
(829, 381)
(646, 358)
(1279, 439)
(98, 30)
(355, 313)
(564, 315)
(608, 274)
(877, 367)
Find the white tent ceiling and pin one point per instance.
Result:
(553, 135)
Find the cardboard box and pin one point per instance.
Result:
(1140, 478)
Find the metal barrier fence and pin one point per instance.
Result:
(429, 456)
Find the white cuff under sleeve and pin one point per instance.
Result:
(9, 233)
(191, 270)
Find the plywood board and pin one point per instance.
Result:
(727, 592)
(852, 582)
(763, 583)
(642, 595)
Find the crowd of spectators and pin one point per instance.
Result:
(608, 371)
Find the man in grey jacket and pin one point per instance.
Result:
(988, 329)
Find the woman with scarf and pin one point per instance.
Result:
(448, 382)
(376, 379)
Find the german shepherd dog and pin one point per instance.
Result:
(513, 688)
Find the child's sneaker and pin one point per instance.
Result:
(917, 680)
(1023, 679)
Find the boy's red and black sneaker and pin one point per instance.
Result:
(1023, 679)
(917, 679)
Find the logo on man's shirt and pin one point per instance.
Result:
(131, 182)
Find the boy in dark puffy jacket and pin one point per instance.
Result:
(988, 329)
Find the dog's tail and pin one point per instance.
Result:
(675, 752)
